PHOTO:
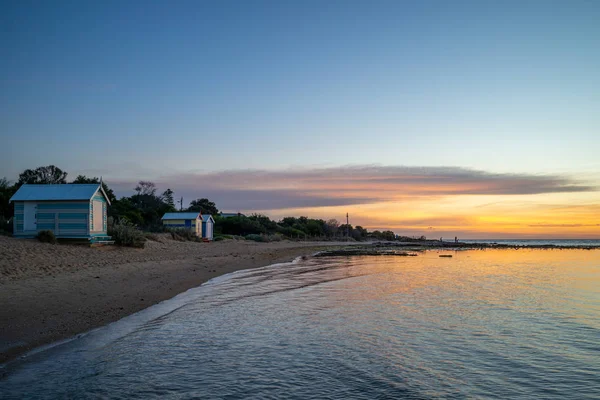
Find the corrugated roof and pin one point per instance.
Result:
(181, 215)
(228, 215)
(67, 191)
(206, 217)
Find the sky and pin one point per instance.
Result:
(471, 118)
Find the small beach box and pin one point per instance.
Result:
(70, 211)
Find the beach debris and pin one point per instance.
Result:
(446, 255)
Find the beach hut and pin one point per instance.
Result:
(208, 224)
(70, 211)
(185, 220)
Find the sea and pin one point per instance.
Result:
(540, 242)
(484, 324)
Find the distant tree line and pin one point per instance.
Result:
(146, 207)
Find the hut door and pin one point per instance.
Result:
(98, 216)
(188, 223)
(209, 229)
(29, 216)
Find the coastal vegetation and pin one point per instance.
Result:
(124, 233)
(129, 216)
(46, 237)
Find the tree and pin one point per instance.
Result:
(204, 206)
(266, 222)
(239, 226)
(315, 227)
(6, 192)
(144, 208)
(168, 197)
(82, 179)
(331, 227)
(346, 229)
(359, 233)
(146, 188)
(42, 175)
(388, 235)
(288, 221)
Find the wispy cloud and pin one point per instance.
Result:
(561, 225)
(324, 187)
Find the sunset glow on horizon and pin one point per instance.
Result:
(443, 119)
(413, 201)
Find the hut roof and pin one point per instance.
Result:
(206, 217)
(181, 215)
(229, 215)
(60, 192)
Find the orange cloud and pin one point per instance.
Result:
(410, 200)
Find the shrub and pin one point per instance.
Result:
(276, 238)
(290, 232)
(183, 235)
(238, 226)
(151, 236)
(256, 238)
(124, 233)
(46, 237)
(6, 226)
(218, 239)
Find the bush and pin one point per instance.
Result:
(46, 237)
(276, 237)
(124, 233)
(264, 238)
(290, 232)
(218, 239)
(238, 226)
(182, 235)
(257, 238)
(6, 226)
(151, 236)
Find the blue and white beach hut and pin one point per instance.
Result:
(186, 220)
(208, 224)
(73, 211)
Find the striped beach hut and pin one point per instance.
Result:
(208, 224)
(70, 211)
(186, 220)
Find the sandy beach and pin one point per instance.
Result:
(53, 292)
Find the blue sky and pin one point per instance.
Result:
(171, 90)
(500, 86)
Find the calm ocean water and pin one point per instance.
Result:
(482, 324)
(540, 242)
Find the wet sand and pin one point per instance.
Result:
(53, 292)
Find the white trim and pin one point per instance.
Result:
(103, 193)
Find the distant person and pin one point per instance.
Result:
(441, 240)
(455, 239)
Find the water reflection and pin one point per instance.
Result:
(494, 323)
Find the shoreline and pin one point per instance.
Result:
(43, 305)
(53, 293)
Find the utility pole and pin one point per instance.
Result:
(181, 204)
(347, 227)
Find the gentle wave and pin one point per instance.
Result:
(483, 324)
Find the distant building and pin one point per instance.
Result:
(208, 224)
(70, 211)
(186, 220)
(229, 215)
